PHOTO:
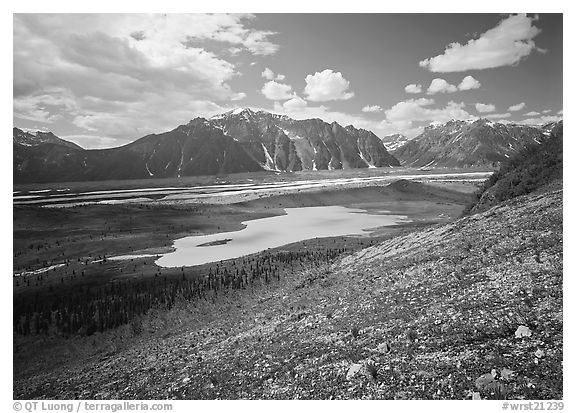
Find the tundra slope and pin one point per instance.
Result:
(419, 316)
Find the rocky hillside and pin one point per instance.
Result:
(237, 141)
(535, 166)
(480, 143)
(467, 310)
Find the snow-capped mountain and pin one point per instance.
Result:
(235, 141)
(393, 142)
(24, 138)
(280, 143)
(478, 143)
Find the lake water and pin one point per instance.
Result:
(260, 234)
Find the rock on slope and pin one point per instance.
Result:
(421, 316)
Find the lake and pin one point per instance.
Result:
(298, 224)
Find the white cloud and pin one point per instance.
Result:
(418, 110)
(276, 91)
(270, 75)
(540, 120)
(547, 111)
(296, 103)
(517, 107)
(532, 113)
(485, 108)
(469, 83)
(371, 108)
(440, 86)
(114, 70)
(498, 115)
(406, 128)
(327, 85)
(504, 45)
(560, 112)
(413, 88)
(407, 117)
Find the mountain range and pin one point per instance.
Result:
(244, 140)
(467, 143)
(236, 141)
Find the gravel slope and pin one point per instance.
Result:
(433, 314)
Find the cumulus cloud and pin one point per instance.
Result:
(440, 86)
(419, 110)
(408, 117)
(517, 107)
(485, 108)
(276, 91)
(532, 113)
(413, 88)
(270, 75)
(371, 108)
(327, 85)
(135, 66)
(469, 83)
(504, 45)
(560, 112)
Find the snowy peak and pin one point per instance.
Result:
(393, 142)
(278, 142)
(245, 113)
(24, 138)
(470, 143)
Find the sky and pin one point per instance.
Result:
(104, 80)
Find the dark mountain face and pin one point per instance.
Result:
(237, 141)
(197, 148)
(481, 143)
(284, 144)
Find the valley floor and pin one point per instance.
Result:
(426, 314)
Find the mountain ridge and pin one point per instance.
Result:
(246, 140)
(236, 141)
(467, 143)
